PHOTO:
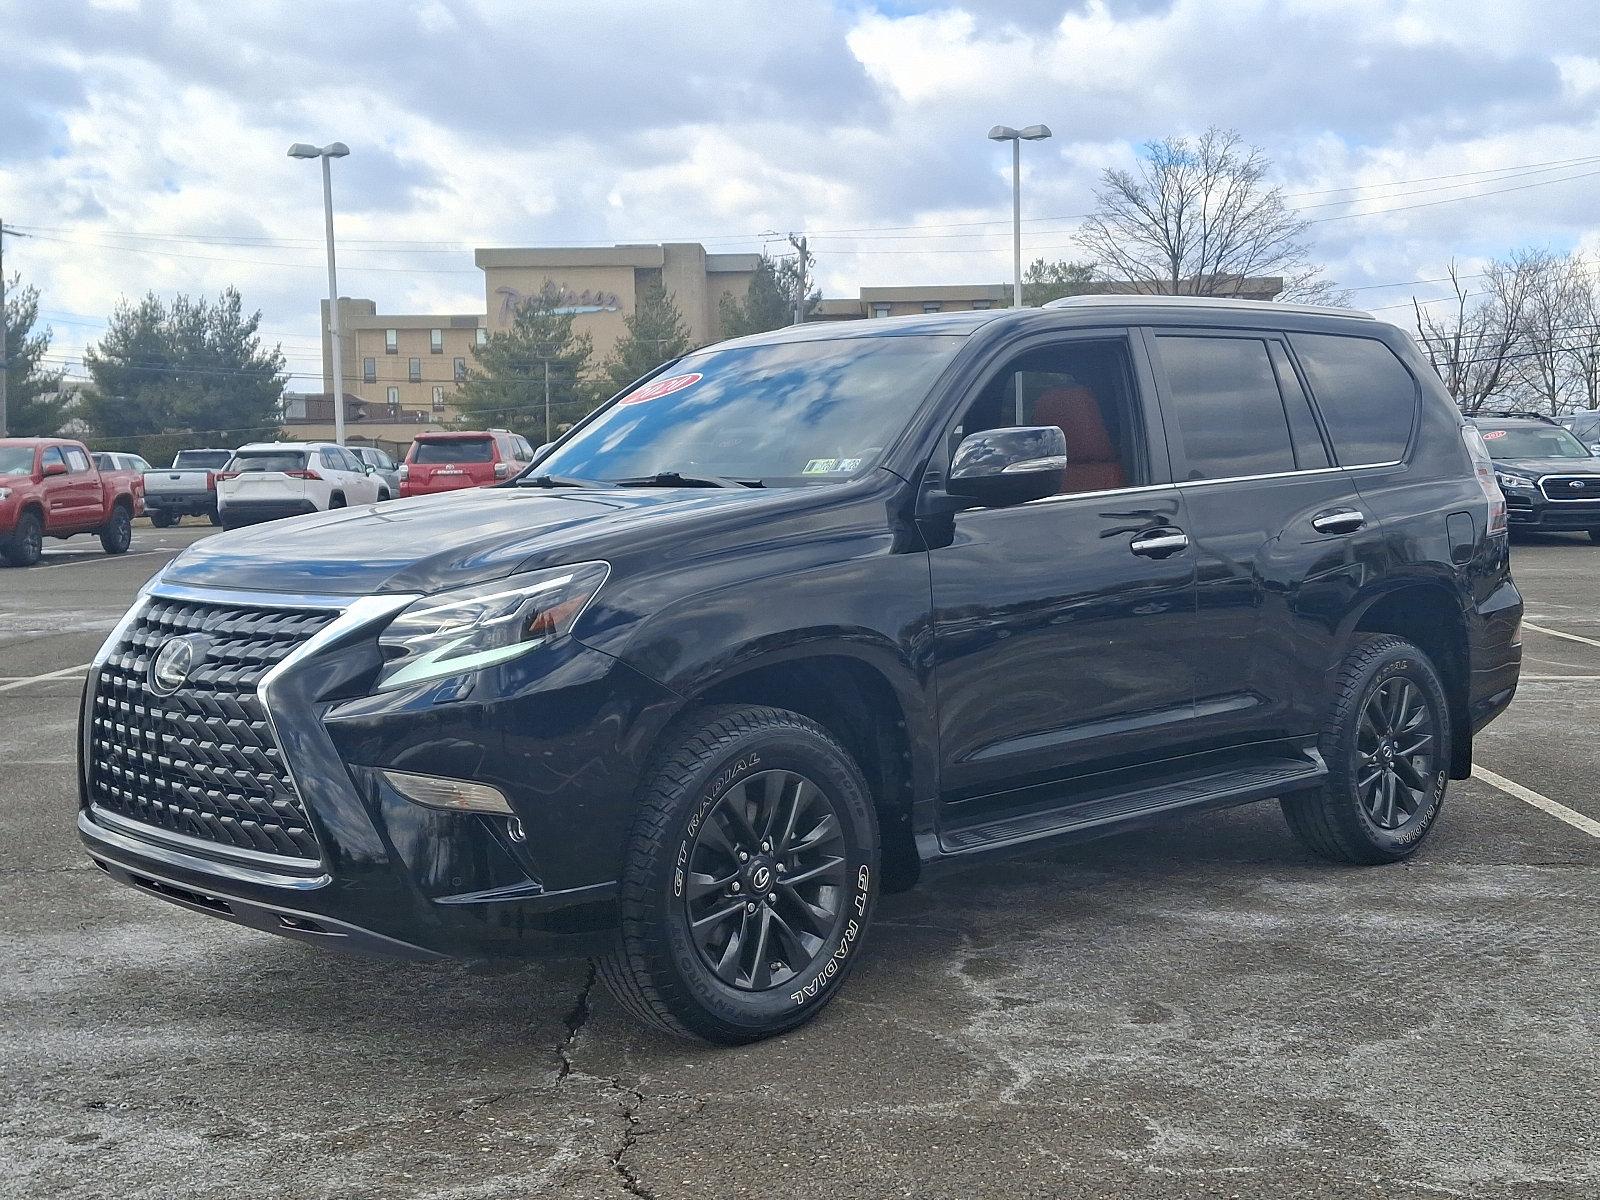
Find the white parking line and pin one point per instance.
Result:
(61, 674)
(100, 558)
(1559, 678)
(1559, 811)
(1571, 637)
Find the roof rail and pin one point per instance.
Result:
(1136, 300)
(1515, 414)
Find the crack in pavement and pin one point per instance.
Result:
(629, 1100)
(577, 1017)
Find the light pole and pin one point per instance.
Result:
(1004, 133)
(330, 151)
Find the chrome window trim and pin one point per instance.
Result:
(1194, 483)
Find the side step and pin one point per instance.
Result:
(1091, 816)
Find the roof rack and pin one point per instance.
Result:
(1137, 300)
(1518, 416)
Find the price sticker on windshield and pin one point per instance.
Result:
(658, 388)
(1494, 435)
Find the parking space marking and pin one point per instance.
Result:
(1558, 678)
(79, 561)
(61, 674)
(1571, 637)
(1557, 810)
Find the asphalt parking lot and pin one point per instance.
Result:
(1203, 1010)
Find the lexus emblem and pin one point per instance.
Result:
(170, 668)
(761, 878)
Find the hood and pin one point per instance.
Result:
(1549, 466)
(450, 540)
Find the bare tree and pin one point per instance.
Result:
(1199, 219)
(1550, 311)
(1581, 351)
(1473, 343)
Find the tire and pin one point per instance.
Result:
(214, 516)
(162, 520)
(383, 494)
(232, 522)
(117, 534)
(335, 501)
(26, 544)
(726, 766)
(1361, 814)
(1594, 535)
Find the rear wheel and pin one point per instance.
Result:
(1594, 535)
(1387, 746)
(335, 501)
(26, 544)
(229, 521)
(749, 880)
(215, 516)
(117, 535)
(161, 520)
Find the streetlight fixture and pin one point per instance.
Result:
(1004, 133)
(325, 153)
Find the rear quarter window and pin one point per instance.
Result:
(1367, 398)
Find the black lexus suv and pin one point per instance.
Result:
(807, 616)
(1550, 479)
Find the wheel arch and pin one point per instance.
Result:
(859, 703)
(1428, 614)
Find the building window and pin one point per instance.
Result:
(438, 398)
(483, 336)
(391, 341)
(880, 310)
(461, 370)
(435, 341)
(980, 305)
(415, 374)
(932, 306)
(369, 370)
(394, 397)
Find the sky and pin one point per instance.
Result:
(142, 145)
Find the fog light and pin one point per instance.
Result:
(455, 794)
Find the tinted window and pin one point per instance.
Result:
(1587, 426)
(104, 462)
(1368, 400)
(1224, 401)
(209, 459)
(453, 450)
(268, 460)
(813, 411)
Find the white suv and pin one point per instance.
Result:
(266, 480)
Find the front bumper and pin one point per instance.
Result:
(563, 733)
(1532, 510)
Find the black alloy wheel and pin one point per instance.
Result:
(1397, 747)
(766, 888)
(27, 541)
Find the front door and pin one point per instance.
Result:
(1063, 626)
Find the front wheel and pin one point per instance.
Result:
(749, 881)
(26, 546)
(1594, 535)
(1387, 746)
(117, 535)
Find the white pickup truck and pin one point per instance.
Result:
(187, 489)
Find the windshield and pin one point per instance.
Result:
(269, 460)
(454, 450)
(794, 412)
(1532, 441)
(209, 459)
(16, 460)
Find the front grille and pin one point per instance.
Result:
(203, 761)
(1570, 487)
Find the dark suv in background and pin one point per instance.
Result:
(811, 615)
(1551, 480)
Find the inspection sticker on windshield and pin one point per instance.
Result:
(658, 388)
(822, 466)
(1493, 434)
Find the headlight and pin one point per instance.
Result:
(476, 627)
(5, 494)
(1507, 480)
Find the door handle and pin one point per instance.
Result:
(1343, 520)
(1159, 543)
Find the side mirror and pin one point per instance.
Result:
(371, 469)
(1595, 449)
(1009, 466)
(54, 469)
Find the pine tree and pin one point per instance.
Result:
(1045, 280)
(505, 389)
(766, 305)
(656, 334)
(36, 406)
(193, 372)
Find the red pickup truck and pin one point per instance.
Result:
(50, 487)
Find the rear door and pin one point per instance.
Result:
(83, 502)
(1279, 534)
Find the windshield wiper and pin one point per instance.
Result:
(678, 479)
(554, 481)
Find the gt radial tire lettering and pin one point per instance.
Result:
(847, 943)
(719, 785)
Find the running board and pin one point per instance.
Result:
(1091, 817)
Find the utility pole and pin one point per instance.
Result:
(5, 363)
(547, 436)
(798, 241)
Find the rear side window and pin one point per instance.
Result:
(454, 450)
(77, 460)
(1223, 398)
(1367, 398)
(209, 459)
(105, 462)
(269, 460)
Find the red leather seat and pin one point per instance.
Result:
(1093, 464)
